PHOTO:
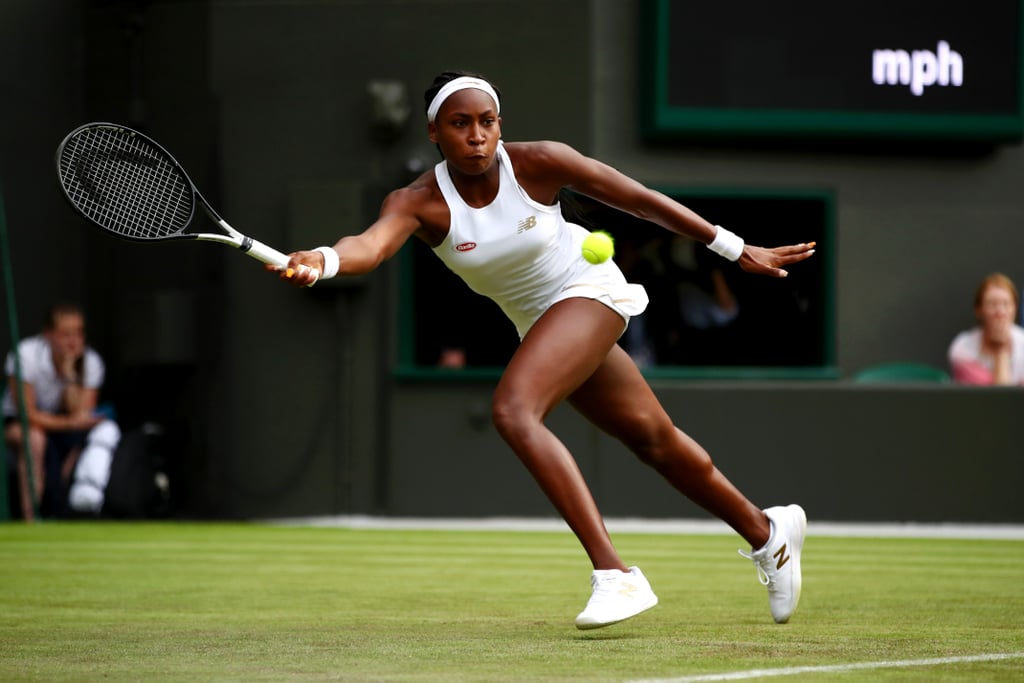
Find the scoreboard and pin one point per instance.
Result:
(897, 69)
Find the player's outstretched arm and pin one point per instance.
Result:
(563, 166)
(357, 254)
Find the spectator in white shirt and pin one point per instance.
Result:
(61, 379)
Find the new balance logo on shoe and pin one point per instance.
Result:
(627, 590)
(781, 556)
(526, 224)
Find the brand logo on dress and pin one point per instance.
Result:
(465, 246)
(527, 223)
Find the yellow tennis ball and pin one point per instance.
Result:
(598, 247)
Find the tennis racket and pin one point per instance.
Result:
(127, 184)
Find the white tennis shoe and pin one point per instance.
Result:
(778, 562)
(617, 596)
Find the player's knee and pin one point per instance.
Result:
(504, 415)
(667, 447)
(652, 452)
(512, 415)
(646, 434)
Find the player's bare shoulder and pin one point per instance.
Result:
(540, 155)
(422, 201)
(544, 167)
(414, 196)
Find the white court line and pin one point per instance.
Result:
(1009, 532)
(834, 668)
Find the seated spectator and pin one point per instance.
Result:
(71, 442)
(991, 353)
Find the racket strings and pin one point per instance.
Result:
(124, 184)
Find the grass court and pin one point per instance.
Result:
(179, 601)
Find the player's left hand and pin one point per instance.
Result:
(770, 261)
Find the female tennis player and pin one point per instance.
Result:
(490, 211)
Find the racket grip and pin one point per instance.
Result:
(262, 252)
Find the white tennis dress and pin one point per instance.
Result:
(524, 255)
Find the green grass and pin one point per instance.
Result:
(237, 602)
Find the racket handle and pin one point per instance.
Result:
(262, 252)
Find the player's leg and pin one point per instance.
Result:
(618, 399)
(562, 349)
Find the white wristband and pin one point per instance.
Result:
(727, 244)
(331, 262)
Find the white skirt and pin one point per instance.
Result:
(626, 299)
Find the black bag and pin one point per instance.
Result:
(138, 485)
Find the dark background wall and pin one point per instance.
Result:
(284, 403)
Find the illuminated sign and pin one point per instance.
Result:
(910, 69)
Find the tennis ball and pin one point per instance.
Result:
(598, 247)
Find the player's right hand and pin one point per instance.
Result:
(303, 270)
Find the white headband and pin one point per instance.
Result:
(456, 84)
